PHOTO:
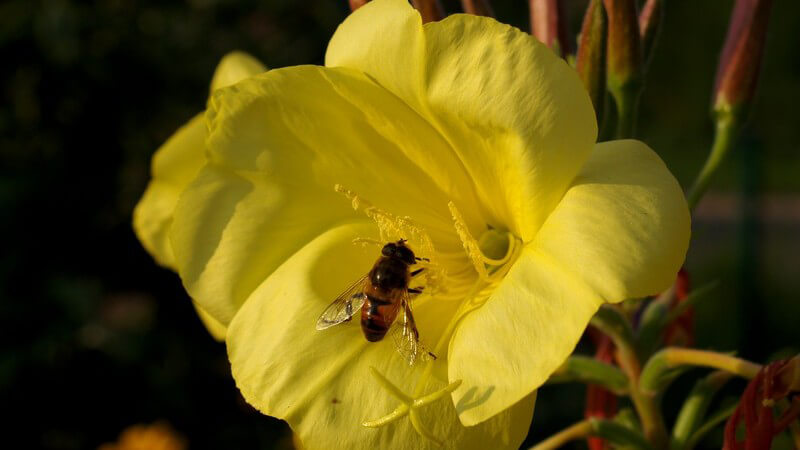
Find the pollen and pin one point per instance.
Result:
(393, 228)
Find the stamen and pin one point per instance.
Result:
(470, 244)
(393, 228)
(496, 267)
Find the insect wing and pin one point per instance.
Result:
(406, 337)
(346, 304)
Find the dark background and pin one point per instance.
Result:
(96, 337)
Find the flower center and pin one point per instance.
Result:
(393, 228)
(493, 254)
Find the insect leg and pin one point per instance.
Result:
(417, 272)
(417, 290)
(422, 259)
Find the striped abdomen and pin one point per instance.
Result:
(376, 317)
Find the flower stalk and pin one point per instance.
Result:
(659, 370)
(613, 432)
(735, 85)
(611, 322)
(727, 130)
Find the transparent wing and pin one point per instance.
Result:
(406, 337)
(346, 304)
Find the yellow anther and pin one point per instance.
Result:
(393, 228)
(367, 241)
(408, 406)
(470, 243)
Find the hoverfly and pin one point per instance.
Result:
(380, 295)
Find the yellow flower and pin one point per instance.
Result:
(157, 436)
(174, 165)
(476, 143)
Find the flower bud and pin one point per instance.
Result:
(430, 10)
(649, 24)
(478, 7)
(548, 24)
(624, 52)
(739, 64)
(591, 59)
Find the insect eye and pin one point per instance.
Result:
(388, 249)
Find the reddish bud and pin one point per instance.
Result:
(430, 10)
(549, 26)
(756, 405)
(649, 24)
(355, 4)
(478, 7)
(739, 64)
(624, 51)
(591, 59)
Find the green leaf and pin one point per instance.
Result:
(717, 418)
(584, 369)
(618, 434)
(695, 407)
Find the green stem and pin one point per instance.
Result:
(613, 432)
(661, 368)
(611, 322)
(579, 430)
(726, 131)
(627, 100)
(705, 358)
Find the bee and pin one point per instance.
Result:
(381, 295)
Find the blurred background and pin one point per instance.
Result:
(96, 337)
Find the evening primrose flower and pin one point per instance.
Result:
(476, 143)
(174, 165)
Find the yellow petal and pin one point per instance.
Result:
(214, 327)
(177, 162)
(278, 143)
(174, 165)
(624, 226)
(320, 382)
(517, 115)
(234, 67)
(621, 231)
